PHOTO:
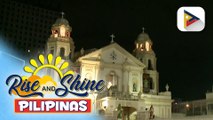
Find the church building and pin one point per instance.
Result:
(132, 79)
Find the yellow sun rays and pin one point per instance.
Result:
(49, 64)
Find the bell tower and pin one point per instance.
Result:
(60, 42)
(144, 52)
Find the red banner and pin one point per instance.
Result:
(53, 105)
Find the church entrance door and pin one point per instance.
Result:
(129, 113)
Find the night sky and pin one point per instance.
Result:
(184, 60)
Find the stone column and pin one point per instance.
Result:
(120, 82)
(100, 72)
(57, 50)
(141, 81)
(125, 80)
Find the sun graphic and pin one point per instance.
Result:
(58, 65)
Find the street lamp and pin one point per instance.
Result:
(187, 105)
(187, 109)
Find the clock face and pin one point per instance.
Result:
(113, 55)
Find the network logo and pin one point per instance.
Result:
(191, 19)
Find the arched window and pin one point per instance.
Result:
(147, 46)
(55, 33)
(111, 79)
(134, 87)
(148, 83)
(68, 34)
(62, 52)
(52, 51)
(62, 31)
(141, 47)
(137, 45)
(151, 83)
(150, 65)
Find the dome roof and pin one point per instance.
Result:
(62, 21)
(143, 37)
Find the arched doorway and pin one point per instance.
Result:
(150, 67)
(62, 52)
(129, 113)
(101, 112)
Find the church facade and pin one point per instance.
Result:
(132, 79)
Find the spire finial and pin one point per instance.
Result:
(62, 14)
(167, 87)
(143, 29)
(82, 51)
(112, 38)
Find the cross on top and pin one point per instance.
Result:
(143, 29)
(62, 14)
(112, 38)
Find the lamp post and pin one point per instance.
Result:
(187, 108)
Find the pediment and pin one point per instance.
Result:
(112, 53)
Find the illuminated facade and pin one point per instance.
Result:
(131, 79)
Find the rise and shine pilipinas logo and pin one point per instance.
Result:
(191, 19)
(33, 89)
